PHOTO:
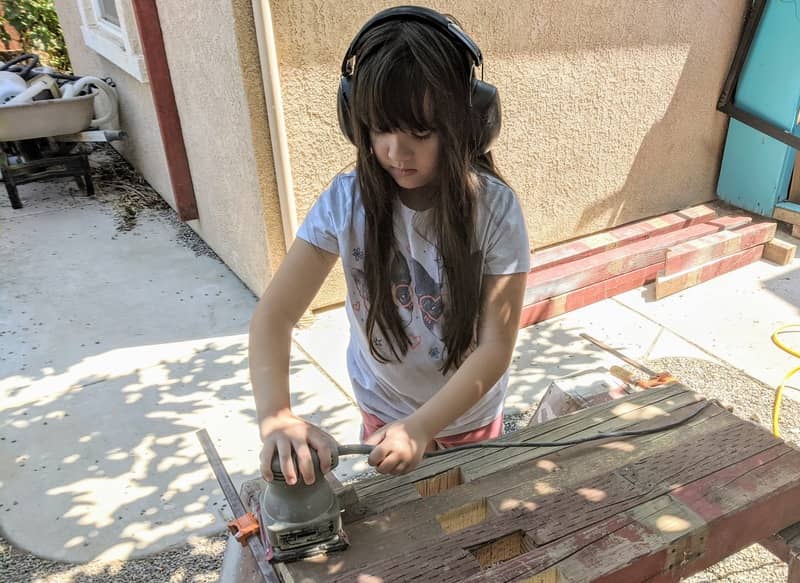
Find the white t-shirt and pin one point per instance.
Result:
(394, 390)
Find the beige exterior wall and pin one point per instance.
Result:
(211, 50)
(609, 110)
(609, 107)
(213, 60)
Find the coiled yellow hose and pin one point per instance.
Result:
(776, 406)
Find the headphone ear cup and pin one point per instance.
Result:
(343, 108)
(487, 116)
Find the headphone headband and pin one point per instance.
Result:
(419, 13)
(484, 102)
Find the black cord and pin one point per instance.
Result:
(571, 441)
(360, 449)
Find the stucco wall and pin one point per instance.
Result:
(609, 107)
(221, 106)
(213, 60)
(608, 110)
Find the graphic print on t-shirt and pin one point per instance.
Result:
(360, 280)
(429, 299)
(400, 276)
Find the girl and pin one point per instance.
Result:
(434, 249)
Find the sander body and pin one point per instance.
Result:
(300, 521)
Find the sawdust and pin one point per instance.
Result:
(117, 183)
(132, 199)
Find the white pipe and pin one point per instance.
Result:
(267, 54)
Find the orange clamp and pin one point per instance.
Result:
(660, 379)
(244, 527)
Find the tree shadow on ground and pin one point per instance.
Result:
(113, 468)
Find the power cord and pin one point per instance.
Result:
(776, 405)
(361, 449)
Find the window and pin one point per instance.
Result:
(108, 10)
(109, 29)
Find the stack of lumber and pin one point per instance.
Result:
(675, 250)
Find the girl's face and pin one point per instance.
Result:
(412, 159)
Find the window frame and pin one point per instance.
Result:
(118, 44)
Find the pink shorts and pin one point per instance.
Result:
(371, 423)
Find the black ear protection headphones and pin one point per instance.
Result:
(485, 117)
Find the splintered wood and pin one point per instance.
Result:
(439, 483)
(616, 510)
(505, 548)
(463, 516)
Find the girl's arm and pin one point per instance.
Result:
(287, 297)
(401, 445)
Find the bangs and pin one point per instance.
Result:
(395, 94)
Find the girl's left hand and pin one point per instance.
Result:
(399, 447)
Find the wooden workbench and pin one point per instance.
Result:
(656, 507)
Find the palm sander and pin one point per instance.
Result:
(301, 521)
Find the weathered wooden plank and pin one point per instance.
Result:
(560, 279)
(671, 284)
(788, 212)
(566, 472)
(517, 486)
(592, 244)
(705, 249)
(552, 307)
(556, 515)
(576, 422)
(748, 507)
(625, 418)
(406, 524)
(377, 495)
(779, 252)
(666, 539)
(664, 470)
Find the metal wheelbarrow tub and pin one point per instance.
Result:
(46, 118)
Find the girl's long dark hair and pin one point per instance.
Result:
(411, 77)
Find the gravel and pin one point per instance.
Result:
(197, 561)
(200, 559)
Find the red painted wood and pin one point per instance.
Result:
(699, 251)
(567, 277)
(592, 244)
(169, 123)
(671, 284)
(733, 528)
(551, 307)
(732, 222)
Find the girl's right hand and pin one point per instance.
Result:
(285, 432)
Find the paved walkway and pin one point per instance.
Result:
(115, 347)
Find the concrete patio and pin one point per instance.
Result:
(116, 346)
